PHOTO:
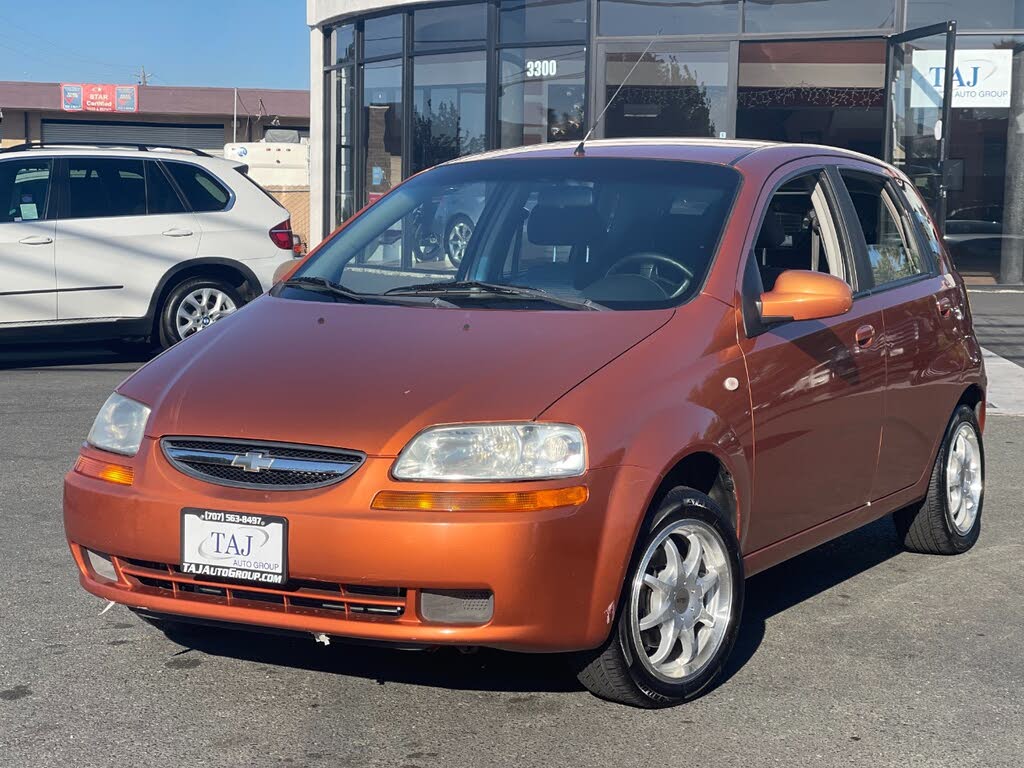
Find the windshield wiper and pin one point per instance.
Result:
(495, 289)
(324, 285)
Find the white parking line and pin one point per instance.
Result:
(1005, 385)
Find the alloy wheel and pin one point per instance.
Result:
(681, 600)
(201, 308)
(458, 239)
(963, 478)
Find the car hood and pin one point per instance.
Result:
(368, 377)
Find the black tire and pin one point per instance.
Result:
(456, 220)
(614, 671)
(927, 527)
(167, 328)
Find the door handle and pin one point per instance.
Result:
(865, 336)
(175, 232)
(36, 240)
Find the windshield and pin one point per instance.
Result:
(525, 233)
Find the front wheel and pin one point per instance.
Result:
(948, 520)
(195, 304)
(460, 230)
(680, 611)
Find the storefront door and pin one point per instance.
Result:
(920, 87)
(676, 89)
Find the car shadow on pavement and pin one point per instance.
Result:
(790, 583)
(42, 356)
(768, 594)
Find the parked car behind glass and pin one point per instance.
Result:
(105, 242)
(660, 368)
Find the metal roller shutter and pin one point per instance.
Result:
(209, 137)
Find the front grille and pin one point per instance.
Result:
(260, 464)
(301, 596)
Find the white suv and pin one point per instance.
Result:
(105, 242)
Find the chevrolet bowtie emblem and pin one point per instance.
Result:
(252, 462)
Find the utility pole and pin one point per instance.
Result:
(143, 77)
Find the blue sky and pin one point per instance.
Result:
(232, 43)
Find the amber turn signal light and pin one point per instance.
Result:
(112, 473)
(487, 501)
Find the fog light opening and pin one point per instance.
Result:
(457, 606)
(101, 564)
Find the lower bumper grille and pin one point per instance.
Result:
(302, 596)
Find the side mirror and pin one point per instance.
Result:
(800, 294)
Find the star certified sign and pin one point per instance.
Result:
(253, 462)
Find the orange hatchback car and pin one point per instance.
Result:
(660, 367)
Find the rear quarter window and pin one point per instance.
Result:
(202, 191)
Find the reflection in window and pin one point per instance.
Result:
(343, 44)
(449, 115)
(889, 249)
(669, 94)
(449, 27)
(646, 17)
(382, 36)
(541, 95)
(382, 116)
(796, 91)
(343, 110)
(540, 21)
(818, 15)
(970, 14)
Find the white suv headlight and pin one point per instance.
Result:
(119, 425)
(527, 451)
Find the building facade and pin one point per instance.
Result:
(935, 86)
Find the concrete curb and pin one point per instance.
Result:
(1005, 385)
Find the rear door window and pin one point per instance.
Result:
(101, 187)
(203, 192)
(24, 189)
(892, 251)
(160, 195)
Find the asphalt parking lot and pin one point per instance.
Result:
(855, 654)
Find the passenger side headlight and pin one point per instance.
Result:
(119, 425)
(496, 452)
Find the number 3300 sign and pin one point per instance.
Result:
(541, 68)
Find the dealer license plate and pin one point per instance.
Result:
(234, 545)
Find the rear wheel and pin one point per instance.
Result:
(948, 520)
(680, 611)
(456, 238)
(195, 304)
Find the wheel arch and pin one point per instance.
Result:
(234, 272)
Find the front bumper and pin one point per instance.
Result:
(355, 572)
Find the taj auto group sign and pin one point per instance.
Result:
(94, 97)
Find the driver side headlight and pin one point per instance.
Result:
(119, 425)
(494, 452)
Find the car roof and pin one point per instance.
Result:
(735, 152)
(90, 150)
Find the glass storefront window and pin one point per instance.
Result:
(984, 176)
(969, 14)
(670, 93)
(382, 36)
(819, 15)
(541, 95)
(451, 26)
(540, 21)
(382, 121)
(672, 17)
(814, 94)
(343, 44)
(449, 107)
(341, 118)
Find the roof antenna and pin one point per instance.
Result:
(580, 150)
